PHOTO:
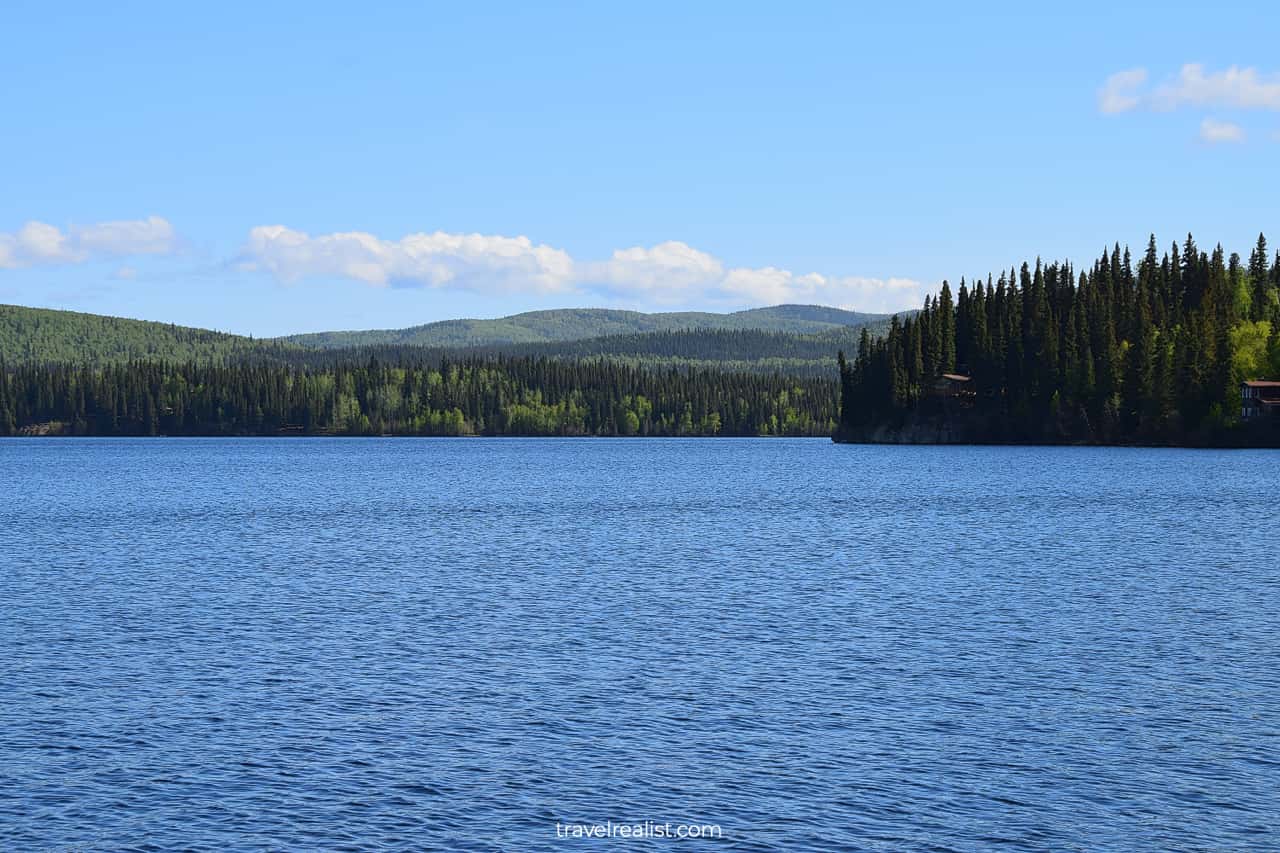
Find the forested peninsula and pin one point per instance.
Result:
(1155, 353)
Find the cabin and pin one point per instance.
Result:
(953, 385)
(1259, 398)
(953, 392)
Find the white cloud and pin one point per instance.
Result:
(38, 243)
(1119, 93)
(665, 271)
(432, 260)
(772, 285)
(150, 236)
(1193, 86)
(1238, 88)
(669, 274)
(1215, 132)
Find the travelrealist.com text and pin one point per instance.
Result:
(637, 829)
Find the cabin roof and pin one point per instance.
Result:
(1261, 383)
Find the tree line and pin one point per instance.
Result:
(1151, 352)
(473, 396)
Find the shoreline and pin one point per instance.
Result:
(831, 439)
(303, 436)
(1205, 445)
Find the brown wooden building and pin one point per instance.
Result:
(1259, 398)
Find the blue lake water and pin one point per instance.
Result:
(457, 644)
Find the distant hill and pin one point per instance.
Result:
(795, 339)
(572, 324)
(44, 335)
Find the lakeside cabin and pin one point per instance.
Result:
(953, 391)
(953, 385)
(1259, 398)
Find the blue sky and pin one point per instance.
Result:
(276, 168)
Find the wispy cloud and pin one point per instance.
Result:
(1237, 88)
(667, 274)
(38, 243)
(1120, 93)
(1193, 86)
(1215, 132)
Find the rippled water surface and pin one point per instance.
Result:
(456, 644)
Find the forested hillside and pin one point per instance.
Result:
(797, 338)
(41, 335)
(741, 350)
(525, 396)
(709, 345)
(1151, 352)
(581, 323)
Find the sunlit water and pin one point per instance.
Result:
(456, 644)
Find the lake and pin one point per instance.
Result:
(459, 644)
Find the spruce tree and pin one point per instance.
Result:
(1260, 284)
(946, 330)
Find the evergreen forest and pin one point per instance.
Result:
(1123, 352)
(478, 396)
